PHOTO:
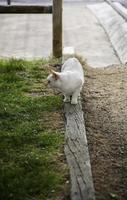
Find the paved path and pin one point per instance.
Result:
(123, 2)
(115, 26)
(46, 1)
(30, 36)
(84, 32)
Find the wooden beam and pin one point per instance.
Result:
(77, 154)
(21, 9)
(57, 28)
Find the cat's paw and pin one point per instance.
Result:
(66, 100)
(74, 101)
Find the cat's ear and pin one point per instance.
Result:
(55, 74)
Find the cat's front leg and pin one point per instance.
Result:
(75, 95)
(66, 99)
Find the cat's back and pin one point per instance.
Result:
(72, 64)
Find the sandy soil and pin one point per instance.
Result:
(105, 111)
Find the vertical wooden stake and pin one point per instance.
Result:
(9, 2)
(57, 28)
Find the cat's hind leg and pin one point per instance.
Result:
(66, 98)
(75, 95)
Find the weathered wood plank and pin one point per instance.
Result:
(21, 9)
(57, 28)
(76, 150)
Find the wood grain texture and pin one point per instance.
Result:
(21, 9)
(57, 28)
(76, 150)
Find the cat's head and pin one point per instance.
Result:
(54, 79)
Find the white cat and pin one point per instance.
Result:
(69, 81)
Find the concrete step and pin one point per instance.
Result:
(115, 26)
(119, 7)
(29, 36)
(83, 31)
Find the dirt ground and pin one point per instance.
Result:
(105, 111)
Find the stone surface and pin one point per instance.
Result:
(123, 2)
(30, 36)
(115, 26)
(84, 32)
(120, 8)
(46, 1)
(25, 36)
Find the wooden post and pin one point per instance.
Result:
(77, 154)
(57, 28)
(9, 2)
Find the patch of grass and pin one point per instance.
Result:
(30, 166)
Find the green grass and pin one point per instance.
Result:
(29, 165)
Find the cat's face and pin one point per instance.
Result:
(54, 80)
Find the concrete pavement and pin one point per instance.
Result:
(30, 36)
(115, 26)
(47, 1)
(25, 35)
(122, 2)
(119, 7)
(83, 31)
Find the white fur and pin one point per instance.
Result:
(69, 81)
